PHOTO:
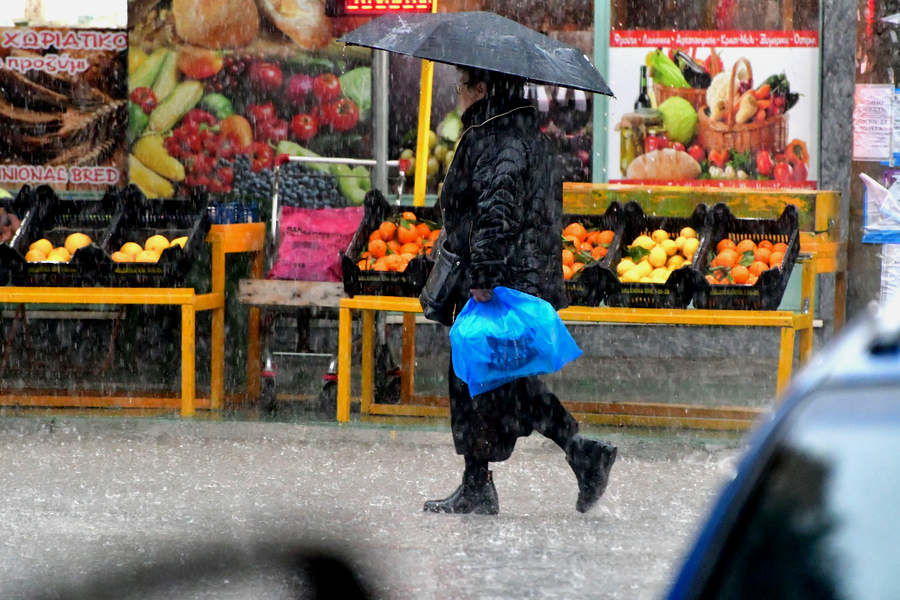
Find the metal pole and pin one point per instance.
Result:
(366, 162)
(380, 87)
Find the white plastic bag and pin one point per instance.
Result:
(881, 212)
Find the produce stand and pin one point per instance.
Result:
(819, 212)
(790, 323)
(821, 251)
(224, 239)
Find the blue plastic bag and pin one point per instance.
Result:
(511, 336)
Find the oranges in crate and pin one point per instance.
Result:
(582, 246)
(742, 261)
(651, 257)
(397, 241)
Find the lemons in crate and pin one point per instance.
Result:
(59, 255)
(131, 249)
(35, 255)
(43, 245)
(120, 256)
(75, 241)
(651, 258)
(179, 241)
(156, 243)
(147, 256)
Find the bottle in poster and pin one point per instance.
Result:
(643, 99)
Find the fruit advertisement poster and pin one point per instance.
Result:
(729, 108)
(62, 107)
(218, 89)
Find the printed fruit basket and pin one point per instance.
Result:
(57, 244)
(586, 243)
(747, 262)
(651, 267)
(389, 253)
(154, 242)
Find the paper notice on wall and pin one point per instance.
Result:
(890, 272)
(873, 125)
(895, 134)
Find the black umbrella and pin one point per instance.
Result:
(484, 40)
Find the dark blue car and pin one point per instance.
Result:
(814, 509)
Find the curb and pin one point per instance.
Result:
(634, 444)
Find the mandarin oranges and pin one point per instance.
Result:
(742, 261)
(575, 233)
(745, 245)
(407, 234)
(397, 241)
(386, 230)
(739, 274)
(583, 246)
(377, 248)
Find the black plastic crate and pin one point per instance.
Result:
(767, 292)
(140, 218)
(678, 290)
(584, 288)
(18, 205)
(54, 219)
(407, 283)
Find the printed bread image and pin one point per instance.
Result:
(230, 24)
(60, 119)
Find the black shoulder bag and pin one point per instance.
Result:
(438, 297)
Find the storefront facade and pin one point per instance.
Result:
(824, 67)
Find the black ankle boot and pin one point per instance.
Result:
(591, 461)
(473, 496)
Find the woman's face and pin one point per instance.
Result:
(468, 93)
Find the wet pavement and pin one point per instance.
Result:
(86, 497)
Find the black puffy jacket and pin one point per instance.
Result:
(502, 202)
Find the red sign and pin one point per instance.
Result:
(713, 39)
(375, 7)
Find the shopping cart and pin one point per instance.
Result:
(307, 348)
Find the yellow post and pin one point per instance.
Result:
(785, 361)
(188, 329)
(367, 367)
(217, 375)
(345, 332)
(422, 148)
(254, 344)
(408, 360)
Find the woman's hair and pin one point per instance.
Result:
(499, 85)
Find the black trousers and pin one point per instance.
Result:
(487, 426)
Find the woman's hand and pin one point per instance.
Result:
(481, 295)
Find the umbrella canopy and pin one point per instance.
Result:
(483, 40)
